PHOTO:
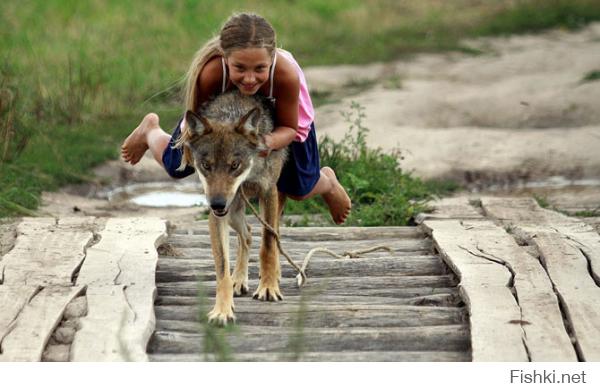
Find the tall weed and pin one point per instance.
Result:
(13, 136)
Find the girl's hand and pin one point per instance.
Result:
(265, 146)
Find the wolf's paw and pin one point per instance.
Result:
(240, 288)
(268, 292)
(221, 316)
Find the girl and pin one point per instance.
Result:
(244, 56)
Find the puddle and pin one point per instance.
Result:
(159, 194)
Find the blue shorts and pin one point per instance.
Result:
(298, 177)
(302, 169)
(172, 157)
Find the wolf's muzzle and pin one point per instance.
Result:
(218, 205)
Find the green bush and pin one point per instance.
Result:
(381, 193)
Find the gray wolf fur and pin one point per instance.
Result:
(224, 141)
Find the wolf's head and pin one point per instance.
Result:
(223, 154)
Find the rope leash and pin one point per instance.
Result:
(301, 277)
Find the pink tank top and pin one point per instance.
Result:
(306, 112)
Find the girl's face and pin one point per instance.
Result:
(249, 69)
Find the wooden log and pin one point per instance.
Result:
(47, 251)
(317, 316)
(126, 253)
(446, 299)
(118, 325)
(277, 339)
(35, 323)
(342, 356)
(172, 271)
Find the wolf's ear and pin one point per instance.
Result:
(248, 124)
(197, 124)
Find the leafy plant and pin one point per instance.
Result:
(381, 193)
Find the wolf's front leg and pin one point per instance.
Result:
(237, 221)
(222, 312)
(270, 270)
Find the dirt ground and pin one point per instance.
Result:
(517, 112)
(520, 107)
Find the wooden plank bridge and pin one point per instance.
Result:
(486, 280)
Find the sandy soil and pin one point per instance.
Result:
(517, 112)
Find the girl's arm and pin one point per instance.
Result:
(210, 80)
(286, 111)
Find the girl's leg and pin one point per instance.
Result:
(148, 135)
(333, 194)
(281, 204)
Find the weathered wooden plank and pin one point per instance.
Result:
(460, 207)
(342, 356)
(325, 233)
(289, 287)
(349, 284)
(47, 251)
(398, 245)
(318, 316)
(593, 221)
(493, 311)
(13, 300)
(277, 339)
(540, 313)
(580, 296)
(126, 253)
(35, 324)
(118, 325)
(172, 271)
(318, 259)
(446, 299)
(485, 285)
(570, 252)
(296, 254)
(531, 219)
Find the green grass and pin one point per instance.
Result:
(542, 201)
(591, 76)
(588, 213)
(76, 77)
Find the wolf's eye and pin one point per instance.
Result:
(205, 165)
(235, 165)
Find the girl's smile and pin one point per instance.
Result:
(249, 69)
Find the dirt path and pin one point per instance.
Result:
(518, 109)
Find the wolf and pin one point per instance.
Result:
(225, 140)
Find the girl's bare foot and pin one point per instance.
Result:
(337, 199)
(136, 144)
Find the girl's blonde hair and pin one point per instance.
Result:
(243, 30)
